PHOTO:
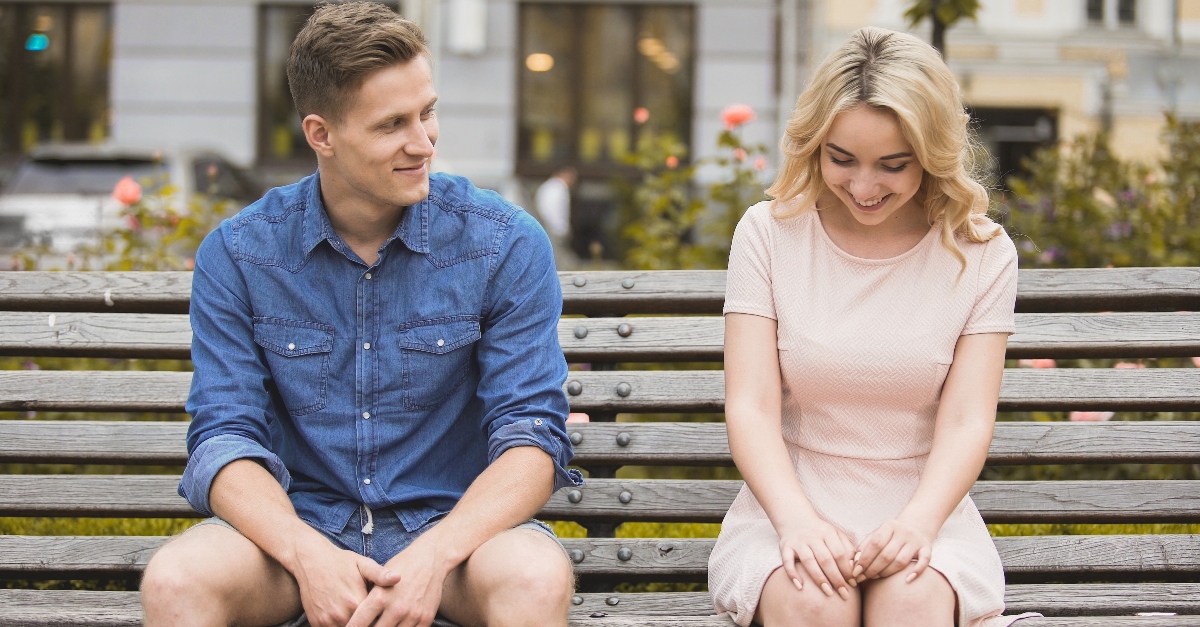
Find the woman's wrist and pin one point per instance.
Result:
(924, 522)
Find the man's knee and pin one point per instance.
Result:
(174, 583)
(531, 582)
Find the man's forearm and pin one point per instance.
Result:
(509, 492)
(245, 495)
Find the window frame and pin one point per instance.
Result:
(263, 119)
(526, 167)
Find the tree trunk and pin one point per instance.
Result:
(939, 31)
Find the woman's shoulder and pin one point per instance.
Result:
(998, 248)
(772, 215)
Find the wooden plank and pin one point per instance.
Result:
(664, 500)
(139, 292)
(1075, 605)
(98, 390)
(1162, 334)
(672, 291)
(1062, 389)
(645, 444)
(654, 559)
(28, 334)
(1109, 289)
(1074, 335)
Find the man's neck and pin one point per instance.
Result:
(363, 223)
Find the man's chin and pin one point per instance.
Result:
(413, 194)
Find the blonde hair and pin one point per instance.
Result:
(902, 74)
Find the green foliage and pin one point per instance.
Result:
(1081, 206)
(670, 224)
(948, 12)
(161, 231)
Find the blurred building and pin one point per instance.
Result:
(530, 86)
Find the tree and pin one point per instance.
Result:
(943, 13)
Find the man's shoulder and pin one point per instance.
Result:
(267, 231)
(460, 213)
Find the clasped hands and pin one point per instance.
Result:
(833, 562)
(340, 588)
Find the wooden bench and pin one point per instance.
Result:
(1151, 313)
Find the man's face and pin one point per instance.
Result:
(384, 142)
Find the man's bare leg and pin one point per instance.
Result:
(520, 578)
(213, 576)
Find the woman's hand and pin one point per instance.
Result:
(891, 548)
(823, 551)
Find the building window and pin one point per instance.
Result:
(1095, 11)
(280, 137)
(1127, 11)
(589, 76)
(1011, 136)
(54, 69)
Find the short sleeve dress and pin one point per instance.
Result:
(864, 348)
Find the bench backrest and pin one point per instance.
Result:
(614, 321)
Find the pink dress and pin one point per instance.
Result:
(864, 347)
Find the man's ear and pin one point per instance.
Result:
(317, 131)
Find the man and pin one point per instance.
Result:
(553, 200)
(377, 406)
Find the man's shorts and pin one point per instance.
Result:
(386, 539)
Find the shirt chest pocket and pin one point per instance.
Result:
(298, 357)
(436, 357)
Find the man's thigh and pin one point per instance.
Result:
(212, 563)
(522, 572)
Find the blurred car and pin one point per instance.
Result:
(61, 196)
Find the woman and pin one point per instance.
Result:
(867, 314)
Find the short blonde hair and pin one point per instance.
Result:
(900, 73)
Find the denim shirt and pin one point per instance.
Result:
(392, 385)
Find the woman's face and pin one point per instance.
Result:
(869, 166)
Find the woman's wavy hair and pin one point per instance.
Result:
(900, 73)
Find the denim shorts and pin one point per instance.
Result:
(380, 536)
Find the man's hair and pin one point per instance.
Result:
(339, 47)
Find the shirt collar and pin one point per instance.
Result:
(413, 229)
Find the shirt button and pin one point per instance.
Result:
(538, 422)
(291, 347)
(367, 481)
(441, 342)
(366, 415)
(367, 346)
(368, 276)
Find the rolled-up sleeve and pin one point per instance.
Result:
(230, 403)
(522, 369)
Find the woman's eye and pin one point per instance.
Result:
(896, 168)
(838, 161)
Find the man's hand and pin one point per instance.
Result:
(413, 602)
(334, 582)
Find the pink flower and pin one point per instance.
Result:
(641, 115)
(1125, 365)
(190, 264)
(1090, 416)
(760, 163)
(127, 191)
(672, 162)
(1037, 363)
(739, 154)
(736, 115)
(133, 223)
(575, 417)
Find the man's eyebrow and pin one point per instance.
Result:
(839, 149)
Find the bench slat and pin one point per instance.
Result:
(649, 443)
(1057, 335)
(29, 608)
(664, 500)
(656, 559)
(1078, 335)
(1062, 389)
(669, 291)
